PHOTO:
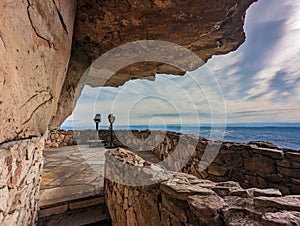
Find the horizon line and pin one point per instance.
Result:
(239, 124)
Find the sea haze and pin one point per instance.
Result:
(285, 135)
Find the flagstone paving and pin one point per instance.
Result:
(72, 189)
(71, 172)
(73, 186)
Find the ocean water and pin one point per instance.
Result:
(284, 135)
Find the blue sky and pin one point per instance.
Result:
(260, 82)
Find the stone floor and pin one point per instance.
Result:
(72, 186)
(71, 172)
(72, 190)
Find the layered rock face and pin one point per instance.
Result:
(35, 45)
(183, 199)
(204, 27)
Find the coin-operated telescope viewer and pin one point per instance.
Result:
(111, 119)
(96, 141)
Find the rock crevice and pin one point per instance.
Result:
(3, 42)
(35, 29)
(47, 101)
(61, 18)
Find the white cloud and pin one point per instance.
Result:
(284, 57)
(265, 11)
(296, 94)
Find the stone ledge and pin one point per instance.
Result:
(87, 203)
(290, 203)
(81, 216)
(66, 194)
(45, 212)
(63, 207)
(295, 156)
(273, 153)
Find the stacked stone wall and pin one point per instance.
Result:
(21, 165)
(257, 164)
(183, 199)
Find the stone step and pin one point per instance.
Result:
(75, 212)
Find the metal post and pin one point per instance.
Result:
(111, 135)
(111, 119)
(97, 131)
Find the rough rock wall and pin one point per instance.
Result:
(21, 165)
(35, 43)
(183, 199)
(206, 27)
(35, 46)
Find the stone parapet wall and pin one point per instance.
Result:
(257, 164)
(249, 164)
(61, 138)
(183, 199)
(135, 138)
(21, 165)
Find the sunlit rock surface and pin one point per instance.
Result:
(204, 27)
(35, 43)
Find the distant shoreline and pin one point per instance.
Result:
(216, 125)
(283, 136)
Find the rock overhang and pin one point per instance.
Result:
(40, 81)
(204, 27)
